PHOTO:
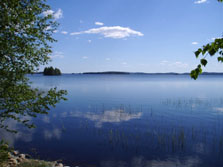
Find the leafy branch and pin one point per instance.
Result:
(211, 49)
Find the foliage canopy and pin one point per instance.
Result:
(25, 37)
(211, 49)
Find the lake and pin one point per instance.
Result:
(128, 121)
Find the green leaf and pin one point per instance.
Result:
(204, 62)
(212, 51)
(197, 53)
(205, 49)
(194, 74)
(220, 59)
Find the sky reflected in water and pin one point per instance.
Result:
(128, 121)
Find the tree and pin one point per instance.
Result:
(57, 71)
(25, 37)
(51, 71)
(211, 49)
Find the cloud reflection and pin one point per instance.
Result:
(109, 116)
(142, 162)
(46, 119)
(50, 134)
(24, 134)
(220, 109)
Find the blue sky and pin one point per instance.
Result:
(134, 35)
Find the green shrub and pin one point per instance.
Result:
(4, 152)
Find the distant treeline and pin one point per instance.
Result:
(142, 73)
(108, 72)
(56, 71)
(51, 71)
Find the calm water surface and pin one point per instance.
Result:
(128, 121)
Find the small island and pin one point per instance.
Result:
(51, 71)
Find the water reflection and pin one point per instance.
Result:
(143, 162)
(52, 134)
(46, 119)
(23, 134)
(131, 131)
(109, 116)
(140, 122)
(220, 109)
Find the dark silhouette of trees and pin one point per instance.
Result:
(51, 71)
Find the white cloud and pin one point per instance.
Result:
(64, 32)
(56, 15)
(124, 63)
(216, 38)
(48, 28)
(115, 32)
(108, 59)
(200, 1)
(194, 43)
(164, 62)
(75, 33)
(99, 23)
(57, 55)
(89, 41)
(84, 57)
(177, 64)
(48, 12)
